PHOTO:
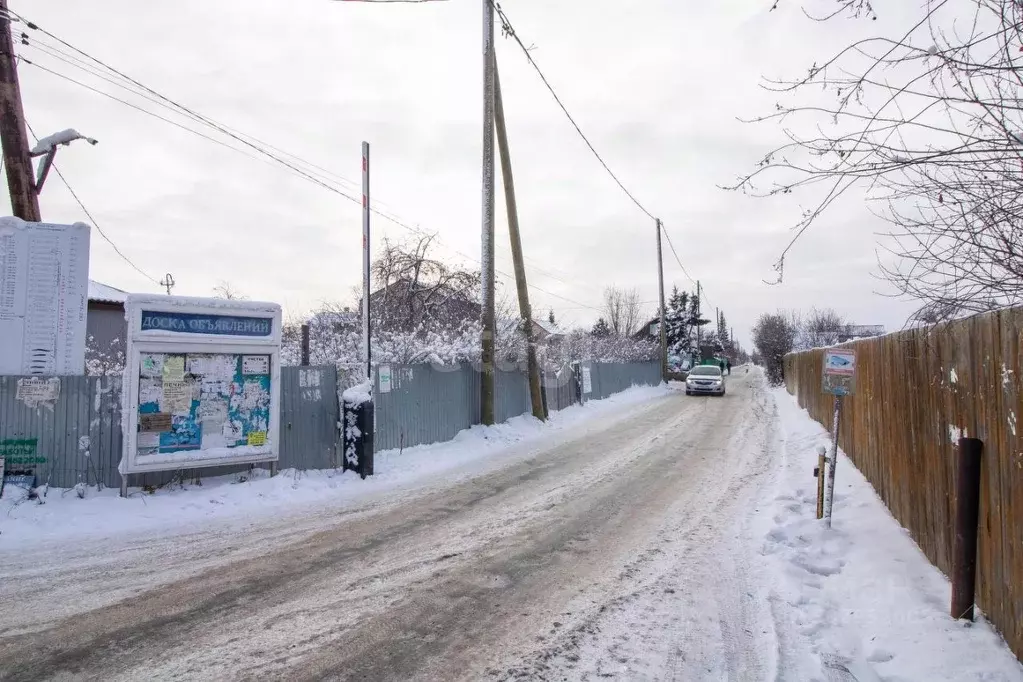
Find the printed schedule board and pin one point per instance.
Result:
(44, 285)
(203, 384)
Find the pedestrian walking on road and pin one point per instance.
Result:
(722, 365)
(728, 366)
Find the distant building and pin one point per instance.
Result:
(851, 332)
(649, 330)
(543, 331)
(104, 320)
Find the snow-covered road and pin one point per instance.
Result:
(525, 571)
(662, 541)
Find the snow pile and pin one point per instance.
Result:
(229, 499)
(860, 598)
(358, 394)
(50, 141)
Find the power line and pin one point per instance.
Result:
(161, 100)
(509, 30)
(92, 220)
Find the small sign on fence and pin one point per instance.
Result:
(839, 371)
(587, 381)
(35, 391)
(384, 376)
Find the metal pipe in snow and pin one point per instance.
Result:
(366, 262)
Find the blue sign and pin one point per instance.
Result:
(216, 325)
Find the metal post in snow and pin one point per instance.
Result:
(366, 327)
(829, 500)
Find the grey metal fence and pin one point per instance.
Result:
(77, 437)
(608, 379)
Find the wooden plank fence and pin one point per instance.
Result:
(917, 392)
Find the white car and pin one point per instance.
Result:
(706, 380)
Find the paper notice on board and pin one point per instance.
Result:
(213, 437)
(213, 411)
(257, 438)
(232, 432)
(155, 422)
(151, 365)
(148, 440)
(173, 369)
(177, 397)
(255, 364)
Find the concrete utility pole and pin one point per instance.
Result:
(487, 237)
(525, 310)
(660, 291)
(13, 136)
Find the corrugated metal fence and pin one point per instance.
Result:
(917, 391)
(78, 437)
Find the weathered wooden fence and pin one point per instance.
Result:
(917, 392)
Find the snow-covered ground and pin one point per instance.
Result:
(64, 518)
(860, 597)
(650, 536)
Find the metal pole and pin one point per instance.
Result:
(13, 136)
(967, 514)
(829, 500)
(366, 328)
(822, 459)
(525, 310)
(305, 345)
(660, 292)
(487, 235)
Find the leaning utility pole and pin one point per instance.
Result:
(660, 291)
(14, 138)
(487, 237)
(525, 311)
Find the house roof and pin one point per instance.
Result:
(550, 327)
(102, 293)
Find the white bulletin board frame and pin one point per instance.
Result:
(181, 325)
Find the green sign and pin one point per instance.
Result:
(18, 448)
(20, 452)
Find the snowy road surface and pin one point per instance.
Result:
(631, 548)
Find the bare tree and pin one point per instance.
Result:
(822, 327)
(227, 291)
(622, 310)
(927, 122)
(774, 335)
(415, 289)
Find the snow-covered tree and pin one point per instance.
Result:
(774, 335)
(601, 329)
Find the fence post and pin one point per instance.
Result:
(967, 515)
(305, 345)
(822, 458)
(830, 499)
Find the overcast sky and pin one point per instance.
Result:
(657, 85)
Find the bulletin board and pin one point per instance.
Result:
(202, 386)
(202, 401)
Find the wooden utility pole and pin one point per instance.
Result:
(13, 136)
(699, 330)
(525, 310)
(660, 292)
(487, 236)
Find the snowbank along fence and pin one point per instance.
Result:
(73, 432)
(917, 392)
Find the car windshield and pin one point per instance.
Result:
(706, 371)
